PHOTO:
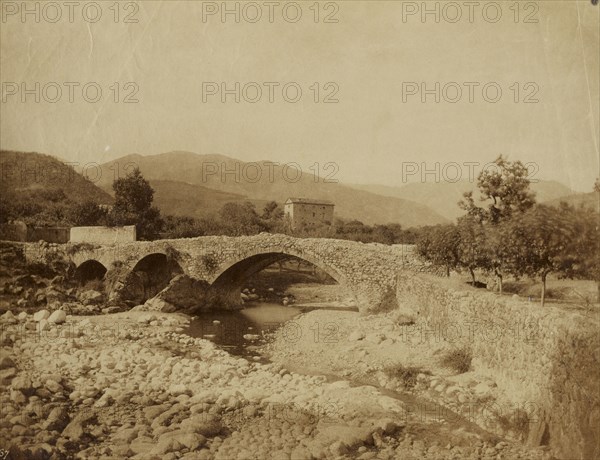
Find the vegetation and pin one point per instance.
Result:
(458, 359)
(406, 374)
(512, 235)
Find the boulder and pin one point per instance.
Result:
(91, 297)
(158, 304)
(57, 317)
(183, 292)
(76, 428)
(57, 420)
(6, 362)
(40, 315)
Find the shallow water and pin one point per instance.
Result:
(238, 331)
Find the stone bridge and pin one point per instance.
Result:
(368, 272)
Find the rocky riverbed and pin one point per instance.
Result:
(131, 385)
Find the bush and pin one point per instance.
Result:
(406, 374)
(458, 359)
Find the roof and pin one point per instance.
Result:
(309, 201)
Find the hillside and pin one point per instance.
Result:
(588, 200)
(270, 184)
(29, 173)
(182, 199)
(443, 197)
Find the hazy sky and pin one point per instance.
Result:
(370, 56)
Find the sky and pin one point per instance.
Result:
(361, 80)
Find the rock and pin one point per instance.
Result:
(355, 336)
(142, 444)
(57, 420)
(157, 304)
(40, 315)
(22, 316)
(53, 386)
(57, 317)
(179, 389)
(338, 448)
(43, 325)
(91, 297)
(6, 376)
(482, 389)
(376, 338)
(192, 441)
(6, 362)
(153, 412)
(76, 428)
(244, 297)
(23, 384)
(184, 292)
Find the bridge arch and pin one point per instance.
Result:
(90, 270)
(231, 275)
(150, 275)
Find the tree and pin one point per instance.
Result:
(505, 188)
(439, 245)
(133, 205)
(87, 213)
(241, 219)
(471, 248)
(272, 217)
(581, 257)
(536, 243)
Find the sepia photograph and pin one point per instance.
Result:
(299, 230)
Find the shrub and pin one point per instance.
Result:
(406, 374)
(458, 359)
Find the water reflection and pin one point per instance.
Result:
(238, 331)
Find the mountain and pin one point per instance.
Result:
(30, 173)
(259, 182)
(443, 197)
(182, 199)
(588, 200)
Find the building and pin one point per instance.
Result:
(303, 212)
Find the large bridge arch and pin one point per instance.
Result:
(228, 280)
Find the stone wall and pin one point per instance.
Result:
(546, 357)
(48, 234)
(18, 231)
(103, 235)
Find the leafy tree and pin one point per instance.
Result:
(241, 219)
(133, 205)
(272, 211)
(506, 190)
(536, 243)
(439, 245)
(471, 247)
(581, 257)
(87, 213)
(497, 251)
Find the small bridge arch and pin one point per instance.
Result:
(89, 270)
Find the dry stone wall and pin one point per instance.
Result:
(547, 359)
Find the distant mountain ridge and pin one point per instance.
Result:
(443, 197)
(259, 182)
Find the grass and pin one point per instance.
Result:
(458, 359)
